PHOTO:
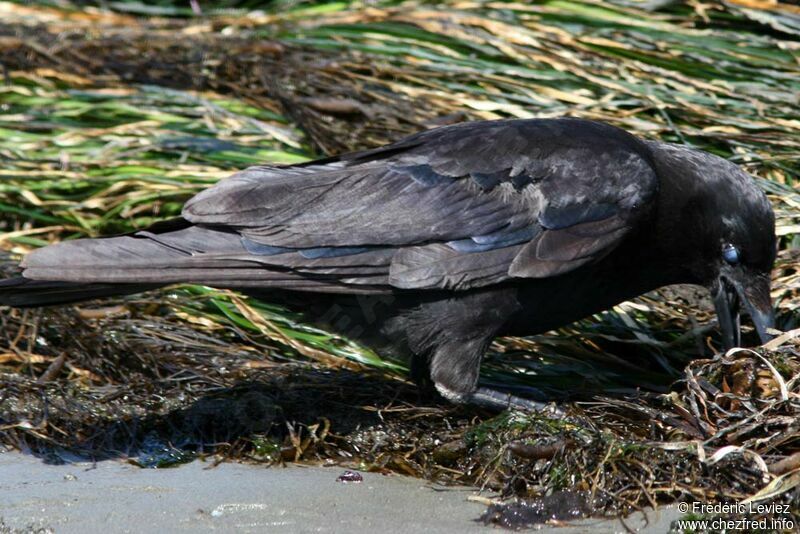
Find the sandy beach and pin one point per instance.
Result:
(114, 496)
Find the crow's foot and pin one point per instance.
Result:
(498, 400)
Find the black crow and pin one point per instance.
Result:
(430, 247)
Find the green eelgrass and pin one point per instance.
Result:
(89, 161)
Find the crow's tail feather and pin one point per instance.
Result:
(177, 252)
(24, 293)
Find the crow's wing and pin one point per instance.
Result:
(456, 207)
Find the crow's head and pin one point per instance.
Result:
(722, 227)
(743, 249)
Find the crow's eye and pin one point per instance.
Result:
(731, 254)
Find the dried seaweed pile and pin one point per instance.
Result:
(109, 122)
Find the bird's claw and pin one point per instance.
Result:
(498, 400)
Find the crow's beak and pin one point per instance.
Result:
(733, 289)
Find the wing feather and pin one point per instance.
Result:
(457, 207)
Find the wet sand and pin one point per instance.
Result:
(114, 496)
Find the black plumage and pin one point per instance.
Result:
(432, 246)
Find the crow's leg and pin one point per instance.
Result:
(454, 369)
(498, 400)
(448, 339)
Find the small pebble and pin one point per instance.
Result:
(350, 476)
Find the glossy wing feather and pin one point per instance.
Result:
(457, 207)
